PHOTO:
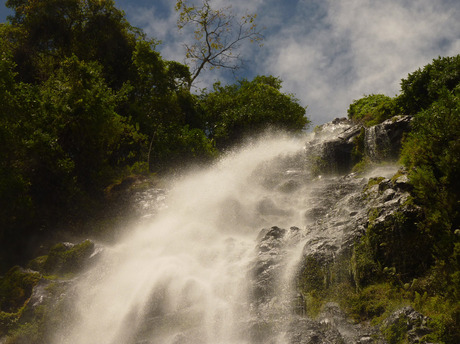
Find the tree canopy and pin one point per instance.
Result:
(86, 99)
(373, 109)
(233, 111)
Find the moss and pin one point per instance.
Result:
(37, 264)
(16, 287)
(25, 333)
(364, 267)
(15, 290)
(396, 332)
(7, 321)
(373, 181)
(64, 258)
(312, 284)
(362, 165)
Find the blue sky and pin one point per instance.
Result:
(327, 52)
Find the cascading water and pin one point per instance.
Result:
(187, 275)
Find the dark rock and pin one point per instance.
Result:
(333, 317)
(307, 331)
(406, 324)
(331, 151)
(383, 141)
(68, 258)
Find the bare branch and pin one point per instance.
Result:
(218, 33)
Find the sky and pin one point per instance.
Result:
(327, 52)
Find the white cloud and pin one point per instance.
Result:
(360, 47)
(329, 52)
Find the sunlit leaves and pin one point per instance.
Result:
(373, 109)
(248, 107)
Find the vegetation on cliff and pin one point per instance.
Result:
(413, 256)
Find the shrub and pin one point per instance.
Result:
(373, 109)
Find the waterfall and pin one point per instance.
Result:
(186, 275)
(223, 255)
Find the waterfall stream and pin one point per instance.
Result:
(220, 253)
(186, 274)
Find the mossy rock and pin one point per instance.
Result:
(7, 320)
(15, 290)
(66, 258)
(16, 287)
(37, 264)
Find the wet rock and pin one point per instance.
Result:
(331, 151)
(307, 331)
(68, 258)
(290, 186)
(383, 141)
(268, 263)
(351, 333)
(406, 324)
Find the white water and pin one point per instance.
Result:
(185, 276)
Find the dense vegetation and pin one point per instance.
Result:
(86, 100)
(414, 257)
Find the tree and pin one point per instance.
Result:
(16, 208)
(422, 87)
(78, 115)
(166, 111)
(218, 35)
(372, 109)
(233, 111)
(50, 30)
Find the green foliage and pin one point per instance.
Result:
(425, 86)
(16, 206)
(373, 302)
(432, 155)
(247, 107)
(79, 117)
(85, 99)
(63, 258)
(54, 29)
(373, 109)
(396, 333)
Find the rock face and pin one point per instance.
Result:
(343, 209)
(407, 324)
(338, 145)
(336, 220)
(383, 141)
(330, 150)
